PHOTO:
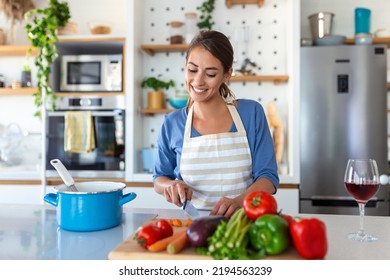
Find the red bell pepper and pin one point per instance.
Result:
(309, 237)
(147, 235)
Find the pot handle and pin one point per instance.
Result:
(126, 198)
(51, 198)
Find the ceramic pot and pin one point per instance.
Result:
(96, 205)
(156, 100)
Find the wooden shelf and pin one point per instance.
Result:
(31, 90)
(230, 3)
(376, 40)
(388, 85)
(250, 78)
(152, 49)
(18, 91)
(16, 50)
(152, 112)
(92, 38)
(76, 93)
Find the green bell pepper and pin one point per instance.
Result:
(270, 233)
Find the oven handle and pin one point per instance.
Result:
(94, 114)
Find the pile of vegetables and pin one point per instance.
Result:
(258, 230)
(255, 231)
(159, 236)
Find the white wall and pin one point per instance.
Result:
(113, 11)
(344, 10)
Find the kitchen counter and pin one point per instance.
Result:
(31, 232)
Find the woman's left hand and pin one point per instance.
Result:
(225, 207)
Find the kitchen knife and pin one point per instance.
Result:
(190, 210)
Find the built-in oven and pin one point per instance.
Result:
(107, 158)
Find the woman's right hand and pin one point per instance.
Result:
(177, 193)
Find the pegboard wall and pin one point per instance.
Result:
(257, 33)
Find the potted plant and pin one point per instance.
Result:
(26, 71)
(156, 98)
(42, 33)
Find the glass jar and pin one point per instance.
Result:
(191, 27)
(176, 32)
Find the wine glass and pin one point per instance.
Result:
(362, 182)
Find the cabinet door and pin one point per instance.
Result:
(288, 200)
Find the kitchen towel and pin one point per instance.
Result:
(79, 135)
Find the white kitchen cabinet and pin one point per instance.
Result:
(20, 194)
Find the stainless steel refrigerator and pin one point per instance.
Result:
(343, 114)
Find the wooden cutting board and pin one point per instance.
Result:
(130, 250)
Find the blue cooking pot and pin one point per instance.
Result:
(96, 205)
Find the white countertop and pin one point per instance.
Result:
(31, 232)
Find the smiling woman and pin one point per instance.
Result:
(217, 149)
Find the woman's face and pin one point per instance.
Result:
(204, 75)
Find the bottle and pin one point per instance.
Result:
(190, 26)
(2, 37)
(362, 20)
(2, 81)
(176, 32)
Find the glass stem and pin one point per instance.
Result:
(361, 211)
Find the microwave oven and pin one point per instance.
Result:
(94, 73)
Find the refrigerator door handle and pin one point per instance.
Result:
(343, 201)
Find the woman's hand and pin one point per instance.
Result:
(225, 207)
(177, 193)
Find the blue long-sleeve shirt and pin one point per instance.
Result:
(170, 142)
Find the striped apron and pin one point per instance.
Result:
(216, 165)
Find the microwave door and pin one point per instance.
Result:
(84, 76)
(84, 73)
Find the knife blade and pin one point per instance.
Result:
(190, 210)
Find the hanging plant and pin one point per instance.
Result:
(42, 33)
(206, 11)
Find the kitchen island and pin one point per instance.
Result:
(30, 232)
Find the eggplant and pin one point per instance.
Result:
(200, 229)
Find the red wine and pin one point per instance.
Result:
(362, 192)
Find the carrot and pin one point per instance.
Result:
(179, 242)
(188, 222)
(177, 223)
(162, 244)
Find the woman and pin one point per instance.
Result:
(217, 149)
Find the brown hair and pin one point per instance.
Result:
(220, 47)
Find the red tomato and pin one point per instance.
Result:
(165, 226)
(258, 203)
(147, 235)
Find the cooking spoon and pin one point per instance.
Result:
(64, 174)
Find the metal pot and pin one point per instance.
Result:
(321, 24)
(96, 205)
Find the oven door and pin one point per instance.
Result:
(107, 160)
